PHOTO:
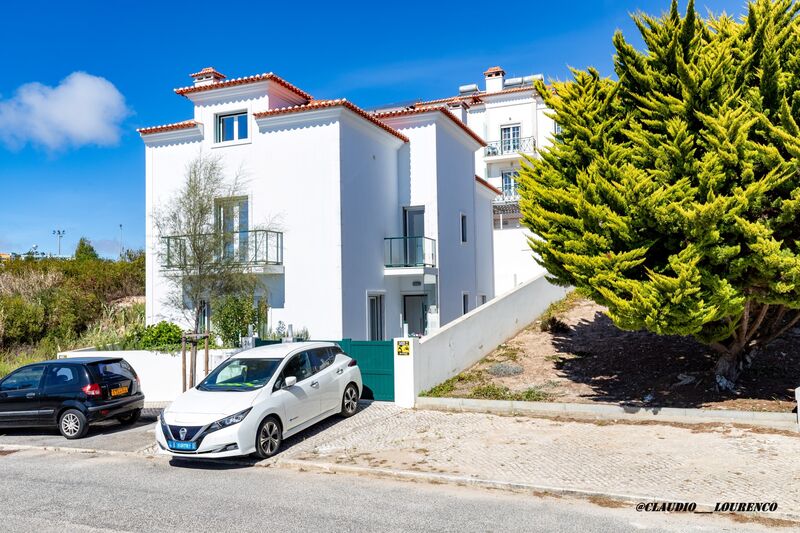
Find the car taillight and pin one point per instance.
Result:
(352, 362)
(92, 390)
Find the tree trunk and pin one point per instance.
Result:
(727, 370)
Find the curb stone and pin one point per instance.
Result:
(784, 421)
(434, 478)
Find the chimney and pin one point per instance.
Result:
(459, 109)
(495, 77)
(207, 76)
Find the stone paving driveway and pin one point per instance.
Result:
(702, 464)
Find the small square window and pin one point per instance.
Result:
(463, 228)
(231, 127)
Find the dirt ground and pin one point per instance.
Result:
(594, 361)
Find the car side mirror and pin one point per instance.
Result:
(289, 381)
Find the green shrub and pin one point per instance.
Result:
(163, 336)
(21, 321)
(232, 317)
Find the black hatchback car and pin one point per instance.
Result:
(71, 394)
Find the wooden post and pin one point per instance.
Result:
(183, 361)
(193, 362)
(206, 356)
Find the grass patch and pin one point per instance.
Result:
(490, 391)
(550, 321)
(446, 388)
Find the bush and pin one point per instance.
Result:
(21, 321)
(163, 336)
(232, 317)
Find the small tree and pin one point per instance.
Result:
(233, 316)
(672, 196)
(85, 250)
(190, 243)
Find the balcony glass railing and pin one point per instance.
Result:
(409, 252)
(255, 247)
(525, 145)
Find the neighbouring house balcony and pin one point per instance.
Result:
(257, 251)
(509, 196)
(409, 255)
(510, 148)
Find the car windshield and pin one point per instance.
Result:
(240, 375)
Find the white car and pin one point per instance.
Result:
(257, 398)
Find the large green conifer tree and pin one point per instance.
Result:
(671, 195)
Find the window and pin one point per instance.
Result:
(557, 128)
(298, 366)
(231, 127)
(509, 139)
(322, 358)
(481, 299)
(61, 376)
(375, 303)
(463, 228)
(25, 378)
(244, 374)
(233, 221)
(465, 303)
(509, 185)
(115, 370)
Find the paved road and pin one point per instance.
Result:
(55, 491)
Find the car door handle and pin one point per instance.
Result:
(315, 383)
(31, 395)
(340, 371)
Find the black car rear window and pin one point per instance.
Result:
(109, 371)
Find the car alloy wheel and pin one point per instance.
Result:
(350, 400)
(269, 438)
(73, 424)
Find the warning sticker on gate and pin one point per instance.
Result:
(403, 348)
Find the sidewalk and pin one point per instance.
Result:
(703, 464)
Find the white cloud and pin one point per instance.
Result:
(81, 110)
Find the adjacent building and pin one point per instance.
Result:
(511, 115)
(359, 224)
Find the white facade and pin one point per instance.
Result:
(512, 117)
(335, 181)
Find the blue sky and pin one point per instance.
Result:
(78, 164)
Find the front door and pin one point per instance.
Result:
(19, 397)
(415, 312)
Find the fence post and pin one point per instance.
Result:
(405, 393)
(183, 361)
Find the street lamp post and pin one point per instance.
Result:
(120, 241)
(59, 233)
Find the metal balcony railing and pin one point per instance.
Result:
(508, 196)
(525, 145)
(246, 248)
(402, 252)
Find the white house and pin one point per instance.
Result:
(511, 115)
(382, 220)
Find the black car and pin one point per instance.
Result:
(71, 394)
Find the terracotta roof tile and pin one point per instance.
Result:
(492, 70)
(441, 109)
(323, 104)
(269, 76)
(475, 97)
(208, 70)
(488, 185)
(186, 124)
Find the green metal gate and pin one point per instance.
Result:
(376, 361)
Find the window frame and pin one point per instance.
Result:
(511, 174)
(381, 303)
(20, 370)
(465, 303)
(514, 143)
(463, 229)
(237, 138)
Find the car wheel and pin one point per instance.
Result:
(73, 424)
(350, 401)
(130, 418)
(268, 438)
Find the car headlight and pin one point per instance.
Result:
(229, 420)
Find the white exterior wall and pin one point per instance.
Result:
(484, 247)
(370, 212)
(516, 264)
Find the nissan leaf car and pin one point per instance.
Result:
(257, 398)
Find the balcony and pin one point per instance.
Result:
(409, 255)
(510, 147)
(509, 196)
(257, 251)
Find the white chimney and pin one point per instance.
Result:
(207, 76)
(495, 77)
(459, 109)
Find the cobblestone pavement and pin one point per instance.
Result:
(702, 464)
